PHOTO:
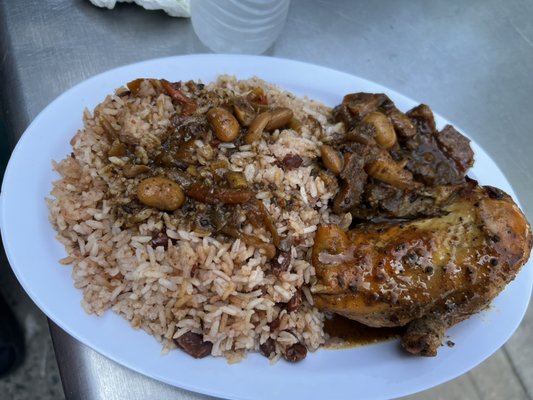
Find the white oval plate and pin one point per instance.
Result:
(378, 371)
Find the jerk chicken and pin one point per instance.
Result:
(429, 247)
(430, 272)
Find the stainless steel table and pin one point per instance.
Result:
(471, 61)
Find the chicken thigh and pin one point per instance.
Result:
(429, 273)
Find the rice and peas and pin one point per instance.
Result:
(208, 277)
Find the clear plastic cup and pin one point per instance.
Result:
(239, 26)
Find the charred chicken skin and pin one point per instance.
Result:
(429, 273)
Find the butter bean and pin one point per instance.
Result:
(244, 113)
(256, 128)
(279, 118)
(385, 135)
(385, 169)
(160, 193)
(295, 124)
(331, 159)
(224, 124)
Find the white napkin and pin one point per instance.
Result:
(174, 8)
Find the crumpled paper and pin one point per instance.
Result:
(174, 8)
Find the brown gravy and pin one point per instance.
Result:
(347, 333)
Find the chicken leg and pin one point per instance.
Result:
(429, 273)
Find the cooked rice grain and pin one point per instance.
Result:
(219, 287)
